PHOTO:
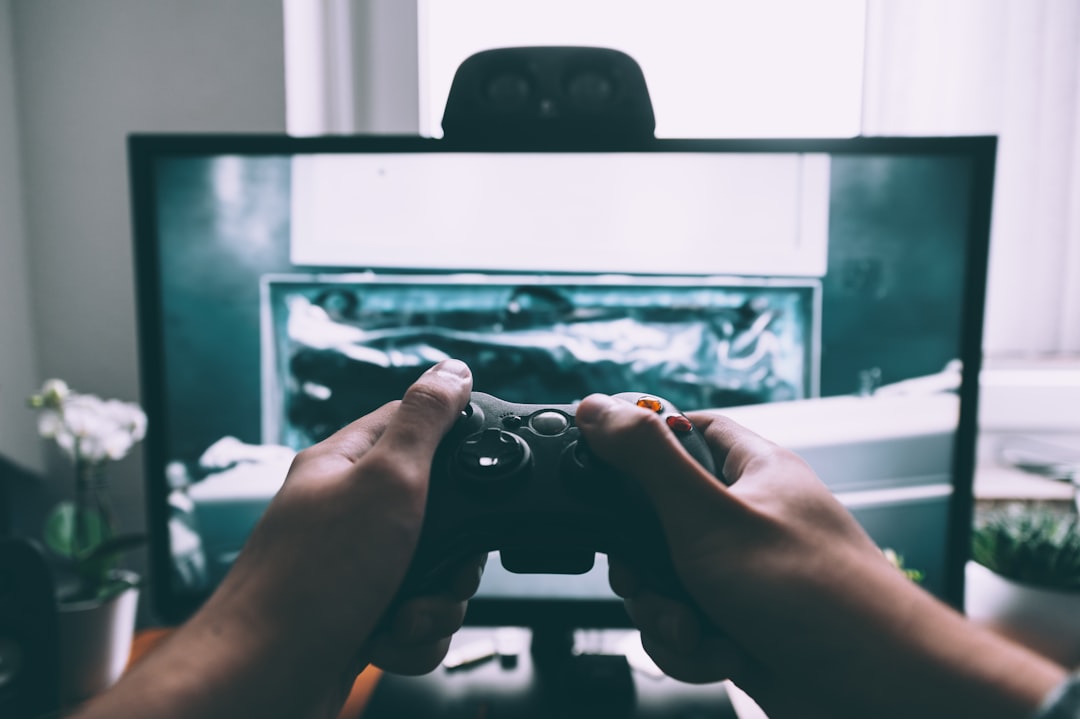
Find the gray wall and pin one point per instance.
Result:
(18, 365)
(85, 75)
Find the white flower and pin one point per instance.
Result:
(84, 415)
(50, 423)
(54, 391)
(86, 427)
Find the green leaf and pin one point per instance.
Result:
(113, 585)
(115, 546)
(66, 520)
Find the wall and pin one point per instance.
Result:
(18, 365)
(88, 73)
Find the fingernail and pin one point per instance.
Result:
(451, 367)
(592, 409)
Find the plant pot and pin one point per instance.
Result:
(1045, 620)
(95, 642)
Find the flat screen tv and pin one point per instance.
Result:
(827, 293)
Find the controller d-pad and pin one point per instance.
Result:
(492, 454)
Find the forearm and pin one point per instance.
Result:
(913, 656)
(967, 670)
(224, 663)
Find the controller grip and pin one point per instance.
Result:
(519, 478)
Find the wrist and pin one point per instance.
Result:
(1063, 701)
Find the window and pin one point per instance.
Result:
(779, 68)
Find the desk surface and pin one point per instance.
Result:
(587, 686)
(491, 691)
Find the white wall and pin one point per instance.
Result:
(18, 365)
(87, 74)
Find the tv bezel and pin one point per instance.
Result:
(144, 150)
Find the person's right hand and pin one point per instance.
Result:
(795, 602)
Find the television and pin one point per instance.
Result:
(826, 293)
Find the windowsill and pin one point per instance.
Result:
(1030, 406)
(996, 482)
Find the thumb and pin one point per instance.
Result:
(637, 443)
(426, 412)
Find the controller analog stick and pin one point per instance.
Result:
(492, 455)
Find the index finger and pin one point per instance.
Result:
(639, 444)
(734, 447)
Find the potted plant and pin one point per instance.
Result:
(96, 599)
(1024, 577)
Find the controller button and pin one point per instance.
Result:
(471, 418)
(492, 454)
(651, 403)
(582, 455)
(680, 424)
(511, 421)
(549, 423)
(586, 476)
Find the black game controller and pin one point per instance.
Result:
(519, 478)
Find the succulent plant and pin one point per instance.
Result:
(1038, 546)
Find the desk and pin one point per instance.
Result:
(490, 691)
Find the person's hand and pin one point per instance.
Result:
(414, 639)
(335, 542)
(302, 609)
(794, 601)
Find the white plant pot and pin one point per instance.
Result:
(95, 642)
(1045, 620)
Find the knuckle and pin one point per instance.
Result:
(645, 426)
(431, 396)
(380, 465)
(773, 458)
(303, 458)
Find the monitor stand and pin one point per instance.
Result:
(590, 683)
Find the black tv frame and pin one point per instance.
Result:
(145, 149)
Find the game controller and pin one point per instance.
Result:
(519, 478)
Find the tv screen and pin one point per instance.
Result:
(828, 294)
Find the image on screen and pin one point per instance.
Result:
(821, 296)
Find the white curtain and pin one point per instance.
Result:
(351, 66)
(1009, 68)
